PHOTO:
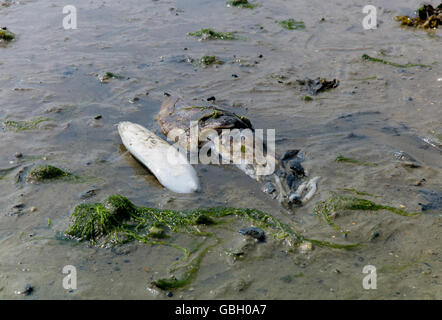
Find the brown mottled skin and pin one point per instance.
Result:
(175, 113)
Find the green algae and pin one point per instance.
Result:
(25, 125)
(109, 75)
(341, 158)
(292, 24)
(240, 4)
(6, 35)
(209, 60)
(306, 98)
(117, 221)
(210, 34)
(327, 209)
(44, 173)
(393, 64)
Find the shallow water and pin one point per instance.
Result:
(52, 73)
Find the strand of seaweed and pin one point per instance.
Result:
(116, 221)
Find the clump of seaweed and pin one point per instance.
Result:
(341, 158)
(328, 209)
(25, 125)
(210, 34)
(292, 24)
(116, 221)
(393, 64)
(427, 17)
(45, 172)
(6, 35)
(306, 98)
(209, 60)
(105, 77)
(240, 4)
(318, 85)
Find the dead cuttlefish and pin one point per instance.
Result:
(219, 136)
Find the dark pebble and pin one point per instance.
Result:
(212, 98)
(235, 75)
(28, 290)
(260, 56)
(98, 117)
(360, 259)
(126, 261)
(170, 294)
(410, 99)
(375, 235)
(254, 232)
(19, 155)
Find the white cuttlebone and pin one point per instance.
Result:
(169, 166)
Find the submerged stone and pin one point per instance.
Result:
(254, 232)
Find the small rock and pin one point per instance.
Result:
(18, 155)
(212, 98)
(254, 232)
(234, 75)
(98, 117)
(170, 294)
(374, 235)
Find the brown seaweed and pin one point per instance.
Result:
(427, 17)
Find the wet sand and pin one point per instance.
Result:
(377, 110)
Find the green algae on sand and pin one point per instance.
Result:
(209, 60)
(6, 35)
(240, 4)
(292, 24)
(327, 209)
(341, 158)
(45, 172)
(22, 125)
(117, 221)
(210, 34)
(393, 64)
